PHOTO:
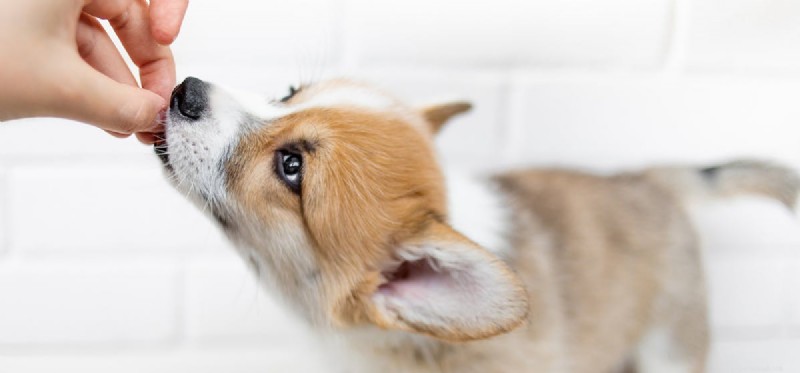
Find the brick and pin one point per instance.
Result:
(627, 33)
(608, 122)
(744, 35)
(113, 207)
(224, 302)
(79, 303)
(243, 33)
(473, 139)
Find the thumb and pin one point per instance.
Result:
(103, 102)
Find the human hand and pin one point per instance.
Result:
(56, 60)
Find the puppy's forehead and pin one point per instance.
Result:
(337, 93)
(329, 94)
(347, 94)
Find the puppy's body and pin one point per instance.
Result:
(609, 264)
(339, 206)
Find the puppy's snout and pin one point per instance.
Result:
(190, 98)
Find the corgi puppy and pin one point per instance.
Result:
(334, 196)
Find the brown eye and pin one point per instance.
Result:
(289, 167)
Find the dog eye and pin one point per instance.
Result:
(289, 167)
(292, 91)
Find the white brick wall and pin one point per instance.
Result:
(222, 301)
(745, 35)
(448, 33)
(85, 302)
(113, 207)
(104, 268)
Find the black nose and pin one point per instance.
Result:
(190, 98)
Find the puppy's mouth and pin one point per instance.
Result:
(161, 148)
(189, 101)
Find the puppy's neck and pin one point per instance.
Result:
(479, 210)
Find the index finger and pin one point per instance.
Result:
(131, 22)
(166, 17)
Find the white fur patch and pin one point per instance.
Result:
(263, 108)
(252, 104)
(478, 210)
(349, 95)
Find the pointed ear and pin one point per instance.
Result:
(447, 287)
(437, 115)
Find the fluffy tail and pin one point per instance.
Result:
(729, 179)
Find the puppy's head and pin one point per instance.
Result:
(334, 194)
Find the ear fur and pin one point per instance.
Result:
(447, 287)
(437, 115)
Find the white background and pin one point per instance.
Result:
(103, 267)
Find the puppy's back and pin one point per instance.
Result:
(620, 251)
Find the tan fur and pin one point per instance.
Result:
(351, 177)
(596, 264)
(625, 257)
(614, 244)
(603, 259)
